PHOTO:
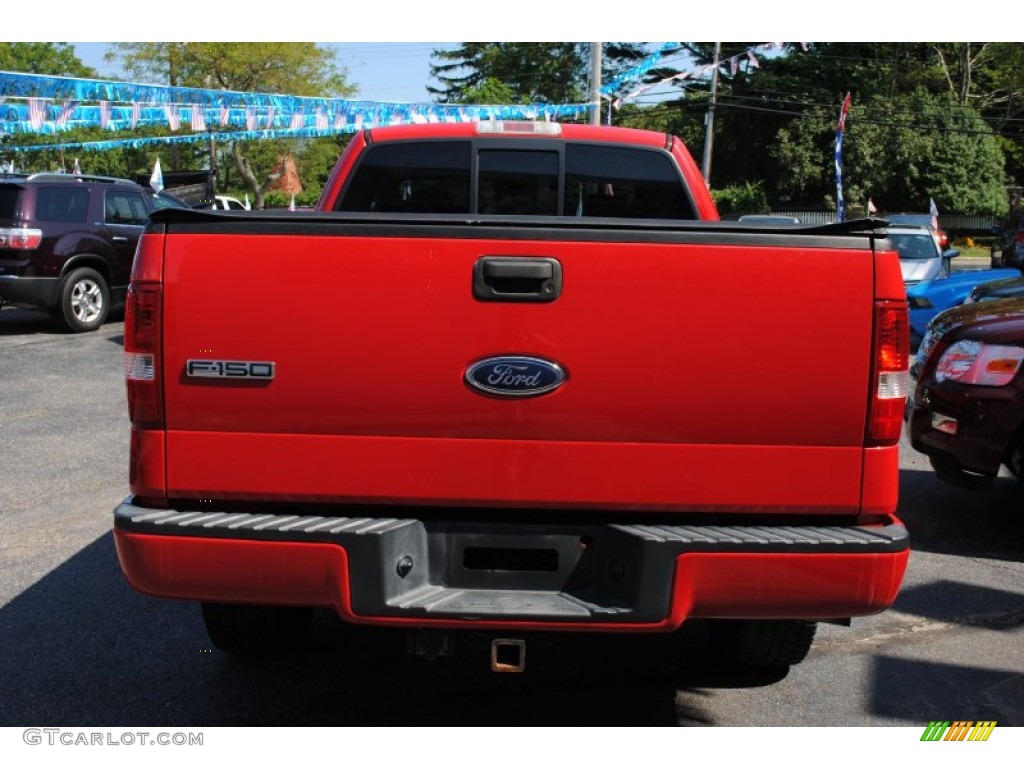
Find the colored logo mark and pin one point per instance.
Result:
(958, 730)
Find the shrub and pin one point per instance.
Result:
(741, 198)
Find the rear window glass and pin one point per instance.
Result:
(435, 177)
(915, 246)
(9, 201)
(518, 182)
(623, 182)
(420, 177)
(65, 204)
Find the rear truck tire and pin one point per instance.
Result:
(83, 301)
(255, 630)
(762, 643)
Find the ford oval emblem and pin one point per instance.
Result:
(515, 376)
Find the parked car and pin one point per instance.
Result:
(929, 297)
(226, 203)
(967, 407)
(67, 242)
(997, 289)
(920, 220)
(1008, 246)
(921, 258)
(769, 219)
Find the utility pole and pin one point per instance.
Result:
(709, 120)
(595, 83)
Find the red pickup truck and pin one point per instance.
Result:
(515, 378)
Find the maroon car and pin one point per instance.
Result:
(968, 407)
(67, 242)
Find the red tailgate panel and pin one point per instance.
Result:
(691, 369)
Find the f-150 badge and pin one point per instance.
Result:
(514, 376)
(229, 369)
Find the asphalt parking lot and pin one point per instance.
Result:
(81, 648)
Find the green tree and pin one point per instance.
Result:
(43, 59)
(297, 69)
(899, 152)
(523, 73)
(530, 72)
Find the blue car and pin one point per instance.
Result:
(929, 297)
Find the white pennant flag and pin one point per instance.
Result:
(173, 116)
(156, 179)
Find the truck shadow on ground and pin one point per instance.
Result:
(945, 519)
(82, 649)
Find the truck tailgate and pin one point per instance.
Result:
(701, 372)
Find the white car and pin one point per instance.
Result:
(225, 203)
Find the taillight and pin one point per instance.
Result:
(1020, 237)
(891, 373)
(21, 239)
(142, 334)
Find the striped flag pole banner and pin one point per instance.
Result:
(840, 207)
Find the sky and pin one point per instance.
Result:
(383, 71)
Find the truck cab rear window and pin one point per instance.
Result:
(420, 177)
(600, 181)
(520, 182)
(622, 182)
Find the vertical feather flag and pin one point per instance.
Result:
(136, 113)
(104, 114)
(840, 208)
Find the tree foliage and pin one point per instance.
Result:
(899, 153)
(296, 69)
(523, 73)
(43, 59)
(923, 122)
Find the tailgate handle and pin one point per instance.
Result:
(517, 278)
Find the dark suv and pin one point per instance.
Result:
(967, 412)
(67, 242)
(1008, 246)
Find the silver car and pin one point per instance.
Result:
(921, 258)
